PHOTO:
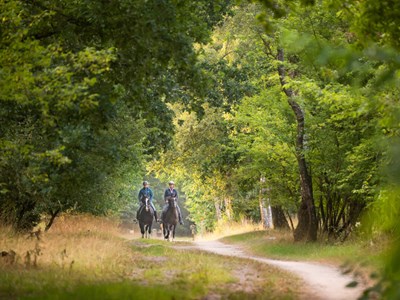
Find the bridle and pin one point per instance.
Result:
(147, 204)
(172, 202)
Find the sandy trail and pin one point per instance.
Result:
(325, 282)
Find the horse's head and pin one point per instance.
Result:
(147, 203)
(171, 201)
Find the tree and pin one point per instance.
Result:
(83, 85)
(308, 226)
(199, 161)
(371, 67)
(43, 88)
(349, 201)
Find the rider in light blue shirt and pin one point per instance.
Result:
(145, 192)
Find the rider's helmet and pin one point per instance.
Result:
(145, 183)
(171, 182)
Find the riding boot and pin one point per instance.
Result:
(180, 219)
(155, 215)
(162, 216)
(180, 216)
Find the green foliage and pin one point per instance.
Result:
(342, 128)
(199, 162)
(47, 95)
(83, 86)
(369, 58)
(340, 132)
(265, 150)
(374, 21)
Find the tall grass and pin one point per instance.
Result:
(77, 249)
(79, 242)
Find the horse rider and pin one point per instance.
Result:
(145, 192)
(171, 192)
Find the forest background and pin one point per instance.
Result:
(292, 102)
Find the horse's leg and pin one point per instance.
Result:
(165, 230)
(149, 230)
(173, 232)
(168, 232)
(141, 225)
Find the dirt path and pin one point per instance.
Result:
(325, 282)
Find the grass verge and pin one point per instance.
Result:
(280, 245)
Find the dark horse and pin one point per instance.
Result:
(146, 216)
(170, 219)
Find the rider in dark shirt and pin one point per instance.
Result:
(145, 192)
(171, 192)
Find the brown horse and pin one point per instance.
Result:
(170, 219)
(146, 216)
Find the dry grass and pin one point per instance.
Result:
(227, 228)
(77, 250)
(77, 242)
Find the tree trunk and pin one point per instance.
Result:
(263, 209)
(227, 199)
(279, 219)
(355, 208)
(307, 227)
(218, 212)
(322, 211)
(290, 220)
(228, 208)
(53, 215)
(25, 218)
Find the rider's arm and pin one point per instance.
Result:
(140, 195)
(151, 195)
(165, 195)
